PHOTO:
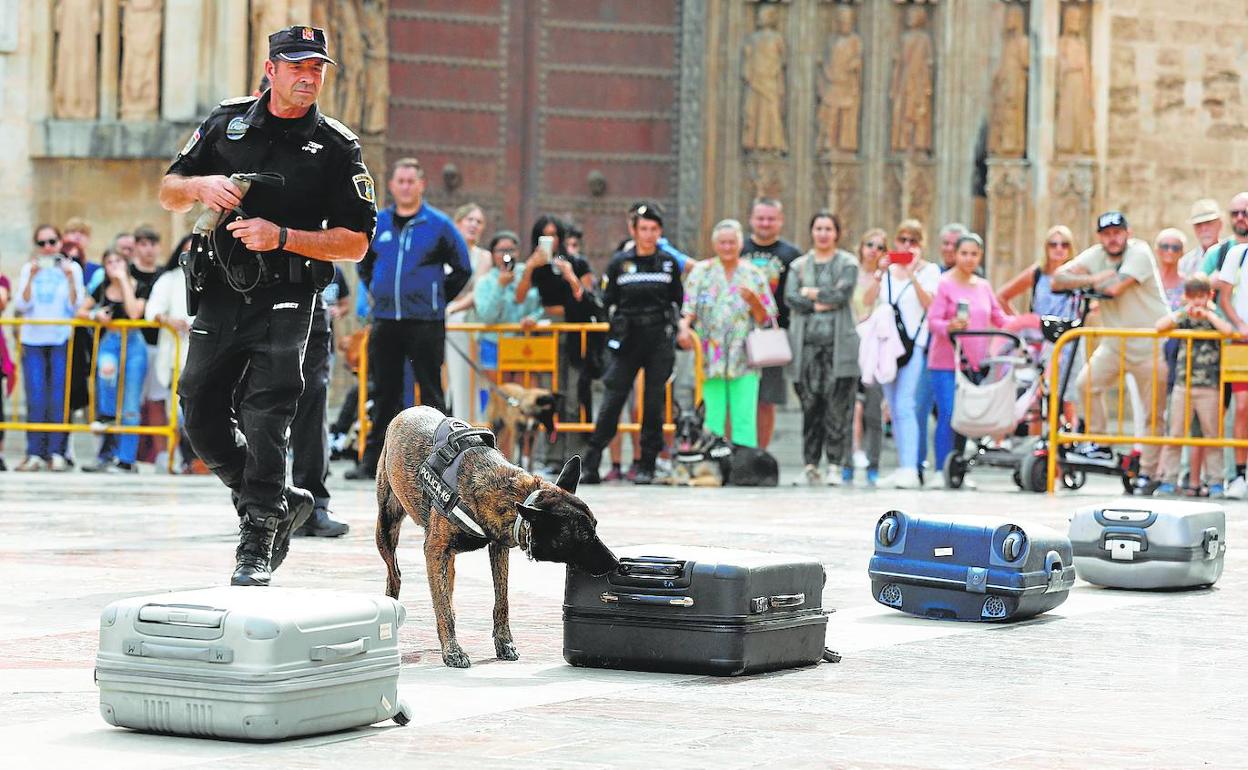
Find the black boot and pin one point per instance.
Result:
(321, 525)
(256, 530)
(589, 469)
(299, 505)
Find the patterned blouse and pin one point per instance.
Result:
(722, 318)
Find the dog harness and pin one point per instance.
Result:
(439, 474)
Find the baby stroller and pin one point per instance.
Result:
(991, 399)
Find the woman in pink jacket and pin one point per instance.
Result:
(963, 301)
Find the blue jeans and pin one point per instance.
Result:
(108, 368)
(924, 402)
(943, 385)
(43, 371)
(902, 394)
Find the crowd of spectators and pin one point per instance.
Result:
(870, 326)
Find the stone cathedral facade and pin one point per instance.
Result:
(1008, 115)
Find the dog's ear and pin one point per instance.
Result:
(701, 410)
(531, 513)
(676, 410)
(570, 476)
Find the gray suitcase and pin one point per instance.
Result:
(1153, 544)
(250, 663)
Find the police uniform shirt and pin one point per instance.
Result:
(643, 288)
(326, 182)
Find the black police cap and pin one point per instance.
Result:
(298, 44)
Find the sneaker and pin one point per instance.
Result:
(58, 464)
(1144, 485)
(643, 477)
(1216, 490)
(101, 465)
(31, 465)
(873, 477)
(847, 475)
(907, 478)
(632, 472)
(860, 459)
(1094, 451)
(811, 476)
(1237, 489)
(120, 467)
(834, 475)
(1164, 489)
(615, 474)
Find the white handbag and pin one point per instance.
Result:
(768, 346)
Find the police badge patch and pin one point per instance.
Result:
(190, 143)
(364, 187)
(629, 266)
(236, 130)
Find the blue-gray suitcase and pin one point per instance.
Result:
(969, 568)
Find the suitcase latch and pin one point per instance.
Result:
(1122, 550)
(976, 580)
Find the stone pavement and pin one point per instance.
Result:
(1110, 678)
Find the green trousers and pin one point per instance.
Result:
(736, 398)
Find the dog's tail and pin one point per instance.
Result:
(390, 515)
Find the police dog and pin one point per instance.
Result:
(515, 413)
(704, 459)
(556, 526)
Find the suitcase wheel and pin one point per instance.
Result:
(403, 716)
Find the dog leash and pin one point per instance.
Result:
(512, 401)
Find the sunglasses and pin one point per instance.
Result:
(1239, 212)
(49, 242)
(907, 239)
(1176, 248)
(1059, 244)
(876, 245)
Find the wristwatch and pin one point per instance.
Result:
(281, 238)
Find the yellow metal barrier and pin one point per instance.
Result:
(1234, 368)
(528, 352)
(170, 431)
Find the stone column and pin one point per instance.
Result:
(24, 88)
(181, 67)
(1010, 242)
(689, 198)
(231, 67)
(110, 58)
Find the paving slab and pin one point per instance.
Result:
(1109, 678)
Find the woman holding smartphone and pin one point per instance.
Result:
(119, 297)
(909, 283)
(963, 301)
(49, 288)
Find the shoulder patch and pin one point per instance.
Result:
(237, 100)
(190, 143)
(337, 126)
(364, 187)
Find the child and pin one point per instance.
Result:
(1196, 314)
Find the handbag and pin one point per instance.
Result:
(768, 346)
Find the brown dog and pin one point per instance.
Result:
(559, 526)
(514, 414)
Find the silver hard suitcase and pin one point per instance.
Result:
(250, 663)
(1153, 544)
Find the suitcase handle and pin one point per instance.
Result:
(787, 600)
(181, 615)
(650, 570)
(178, 652)
(340, 651)
(650, 599)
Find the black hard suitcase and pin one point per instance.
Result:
(696, 610)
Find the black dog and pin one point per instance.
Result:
(703, 459)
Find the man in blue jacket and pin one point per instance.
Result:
(418, 261)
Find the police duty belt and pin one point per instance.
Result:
(439, 473)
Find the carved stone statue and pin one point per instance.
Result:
(911, 92)
(141, 24)
(763, 67)
(1074, 86)
(376, 68)
(1007, 134)
(840, 92)
(349, 53)
(76, 81)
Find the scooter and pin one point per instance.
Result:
(1073, 465)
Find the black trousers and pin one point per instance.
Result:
(309, 435)
(244, 369)
(575, 384)
(827, 407)
(656, 355)
(390, 344)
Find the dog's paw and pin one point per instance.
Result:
(456, 658)
(505, 650)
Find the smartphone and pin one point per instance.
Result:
(509, 263)
(547, 244)
(964, 310)
(900, 257)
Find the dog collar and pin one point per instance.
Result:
(690, 457)
(522, 530)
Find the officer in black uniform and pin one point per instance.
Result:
(642, 289)
(259, 273)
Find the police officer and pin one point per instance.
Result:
(642, 289)
(265, 264)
